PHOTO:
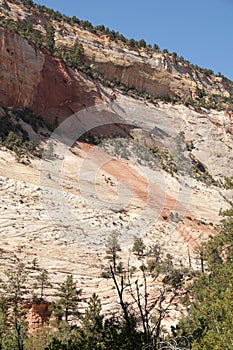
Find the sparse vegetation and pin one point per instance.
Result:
(92, 138)
(228, 183)
(49, 38)
(152, 157)
(200, 172)
(36, 121)
(14, 137)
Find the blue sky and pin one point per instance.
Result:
(200, 31)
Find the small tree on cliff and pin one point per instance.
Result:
(69, 296)
(138, 247)
(49, 38)
(28, 3)
(42, 281)
(77, 55)
(113, 247)
(142, 43)
(132, 42)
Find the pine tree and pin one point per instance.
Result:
(77, 55)
(49, 38)
(113, 247)
(92, 324)
(132, 42)
(69, 297)
(3, 315)
(209, 324)
(15, 290)
(42, 281)
(142, 43)
(138, 247)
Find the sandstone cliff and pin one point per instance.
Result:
(156, 73)
(38, 314)
(34, 79)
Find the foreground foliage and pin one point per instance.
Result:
(209, 324)
(137, 324)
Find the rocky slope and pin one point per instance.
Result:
(64, 216)
(160, 177)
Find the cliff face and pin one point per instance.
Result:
(28, 73)
(37, 315)
(34, 79)
(157, 74)
(20, 70)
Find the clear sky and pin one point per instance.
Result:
(200, 31)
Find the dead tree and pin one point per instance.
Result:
(124, 306)
(142, 311)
